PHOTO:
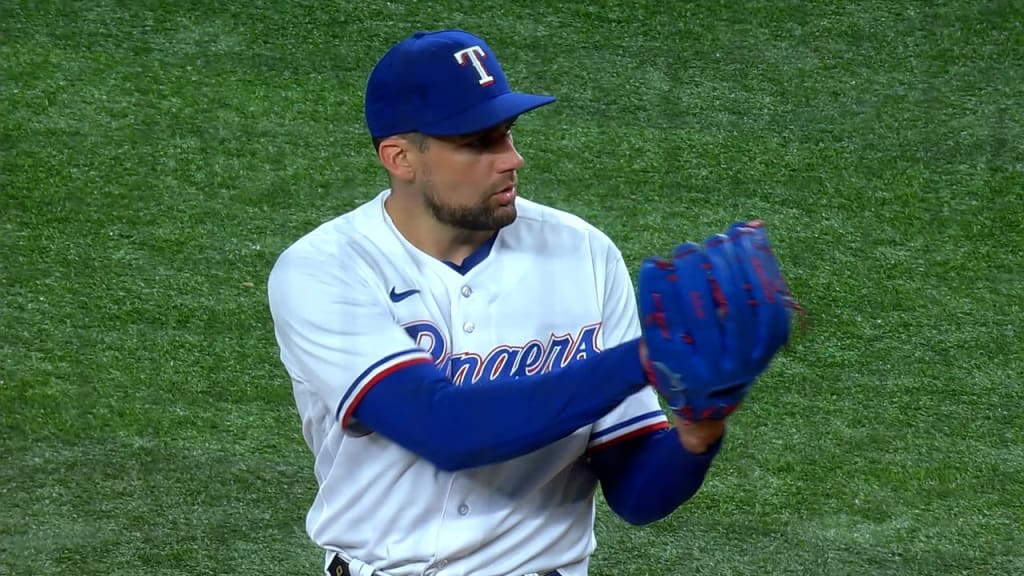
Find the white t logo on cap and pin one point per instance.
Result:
(472, 55)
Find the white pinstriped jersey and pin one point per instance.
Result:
(353, 296)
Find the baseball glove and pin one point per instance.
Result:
(713, 318)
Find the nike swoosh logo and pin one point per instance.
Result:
(399, 296)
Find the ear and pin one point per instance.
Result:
(398, 156)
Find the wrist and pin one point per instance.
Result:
(645, 362)
(699, 437)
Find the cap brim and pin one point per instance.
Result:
(490, 113)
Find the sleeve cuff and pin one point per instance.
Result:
(375, 373)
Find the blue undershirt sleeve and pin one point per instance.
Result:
(457, 427)
(646, 478)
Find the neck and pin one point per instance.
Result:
(417, 225)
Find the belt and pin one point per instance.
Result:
(339, 567)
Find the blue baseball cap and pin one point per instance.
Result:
(443, 83)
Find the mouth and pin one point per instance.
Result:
(506, 195)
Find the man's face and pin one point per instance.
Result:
(469, 182)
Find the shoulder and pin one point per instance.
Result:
(539, 222)
(337, 247)
(343, 235)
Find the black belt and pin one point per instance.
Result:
(339, 567)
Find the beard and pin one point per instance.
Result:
(480, 217)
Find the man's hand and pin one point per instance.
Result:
(698, 437)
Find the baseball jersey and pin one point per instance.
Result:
(353, 300)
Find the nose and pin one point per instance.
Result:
(510, 157)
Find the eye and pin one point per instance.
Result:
(489, 140)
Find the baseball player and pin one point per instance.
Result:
(469, 366)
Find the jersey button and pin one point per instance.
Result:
(467, 291)
(469, 327)
(442, 564)
(463, 509)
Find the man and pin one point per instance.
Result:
(467, 364)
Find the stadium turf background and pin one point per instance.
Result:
(158, 155)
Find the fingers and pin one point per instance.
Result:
(662, 328)
(697, 309)
(735, 311)
(655, 289)
(757, 263)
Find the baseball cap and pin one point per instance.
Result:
(441, 83)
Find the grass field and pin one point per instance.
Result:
(158, 155)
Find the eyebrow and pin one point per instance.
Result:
(492, 131)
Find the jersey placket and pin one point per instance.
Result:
(467, 309)
(468, 334)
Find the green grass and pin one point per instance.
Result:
(157, 156)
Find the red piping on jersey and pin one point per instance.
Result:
(373, 381)
(638, 432)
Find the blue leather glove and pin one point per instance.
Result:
(713, 318)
